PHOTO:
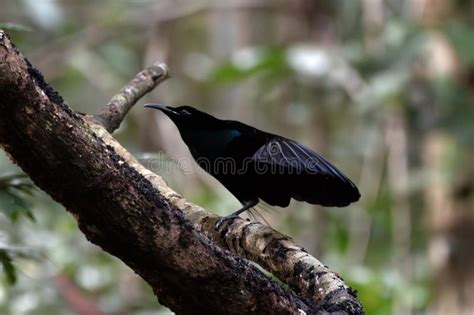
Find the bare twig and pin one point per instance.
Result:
(114, 112)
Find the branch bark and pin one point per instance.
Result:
(131, 213)
(114, 112)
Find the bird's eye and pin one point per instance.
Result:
(185, 112)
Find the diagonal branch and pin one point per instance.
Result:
(131, 213)
(288, 261)
(114, 112)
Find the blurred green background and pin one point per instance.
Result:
(383, 89)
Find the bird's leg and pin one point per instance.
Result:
(246, 205)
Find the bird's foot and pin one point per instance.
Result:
(223, 220)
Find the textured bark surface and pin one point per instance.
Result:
(288, 261)
(114, 112)
(131, 213)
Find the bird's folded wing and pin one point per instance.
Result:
(297, 157)
(298, 172)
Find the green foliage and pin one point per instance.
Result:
(460, 34)
(14, 189)
(376, 297)
(457, 108)
(337, 234)
(13, 192)
(8, 268)
(250, 63)
(8, 26)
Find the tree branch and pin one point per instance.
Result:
(281, 256)
(131, 213)
(114, 112)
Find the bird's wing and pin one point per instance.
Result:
(294, 170)
(297, 157)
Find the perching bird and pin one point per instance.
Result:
(255, 165)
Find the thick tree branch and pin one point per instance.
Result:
(131, 213)
(284, 258)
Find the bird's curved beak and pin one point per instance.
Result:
(168, 110)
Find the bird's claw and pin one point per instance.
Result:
(223, 220)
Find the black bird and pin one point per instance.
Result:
(255, 165)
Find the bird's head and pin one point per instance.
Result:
(186, 117)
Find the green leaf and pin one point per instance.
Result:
(14, 206)
(14, 27)
(8, 267)
(12, 190)
(270, 62)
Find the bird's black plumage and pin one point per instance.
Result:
(255, 165)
